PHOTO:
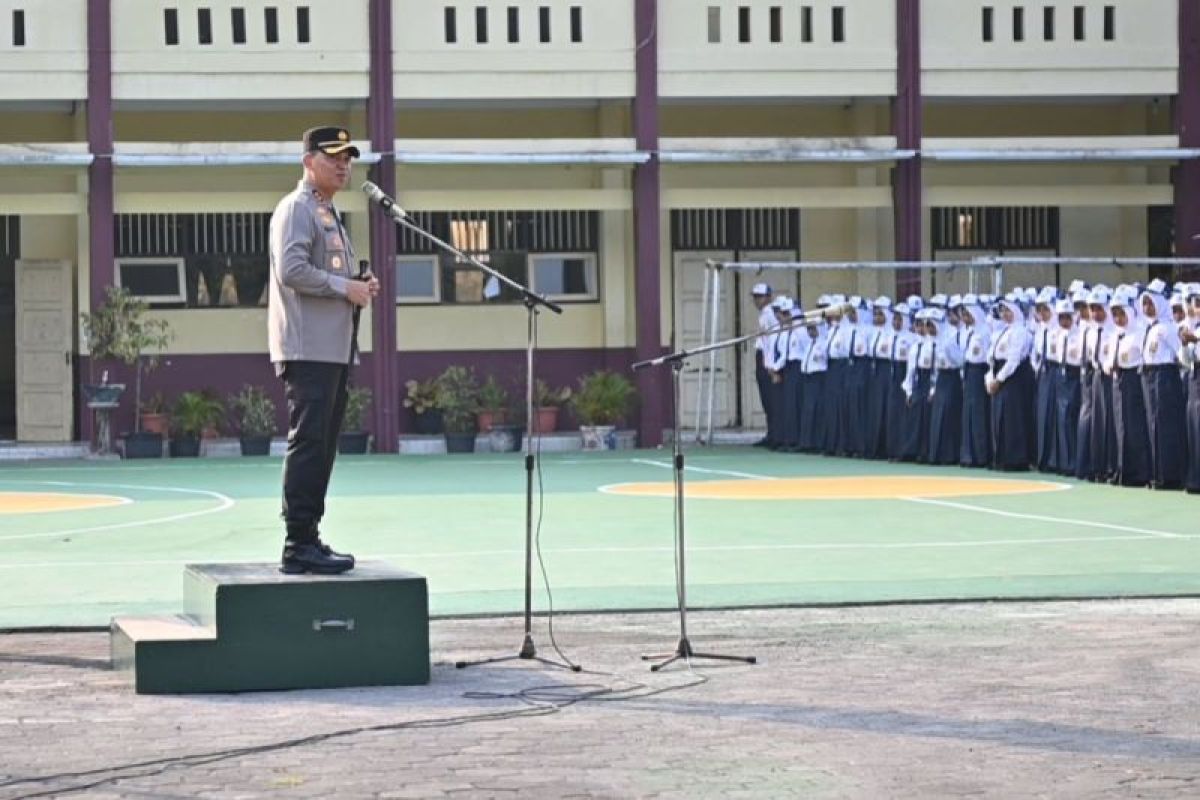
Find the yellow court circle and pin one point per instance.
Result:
(42, 502)
(859, 487)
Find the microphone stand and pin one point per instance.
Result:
(683, 648)
(533, 302)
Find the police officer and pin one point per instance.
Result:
(310, 321)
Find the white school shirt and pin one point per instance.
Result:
(839, 339)
(766, 321)
(1128, 349)
(816, 358)
(1108, 344)
(920, 356)
(903, 343)
(798, 345)
(882, 348)
(975, 348)
(775, 357)
(1010, 347)
(949, 354)
(1161, 344)
(1070, 346)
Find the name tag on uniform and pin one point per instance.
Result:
(976, 351)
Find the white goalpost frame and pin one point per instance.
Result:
(710, 328)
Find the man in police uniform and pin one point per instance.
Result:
(766, 321)
(313, 298)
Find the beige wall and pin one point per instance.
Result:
(53, 63)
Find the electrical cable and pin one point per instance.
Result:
(542, 700)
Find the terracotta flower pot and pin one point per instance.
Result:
(545, 419)
(155, 422)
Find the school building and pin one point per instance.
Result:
(600, 150)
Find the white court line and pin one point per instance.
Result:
(1042, 518)
(226, 502)
(690, 468)
(590, 551)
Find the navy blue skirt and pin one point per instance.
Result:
(976, 447)
(1067, 402)
(916, 431)
(1165, 421)
(1192, 482)
(1083, 428)
(945, 418)
(789, 407)
(1104, 429)
(1010, 420)
(878, 387)
(897, 412)
(812, 412)
(1133, 437)
(835, 384)
(1045, 410)
(853, 436)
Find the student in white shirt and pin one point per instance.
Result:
(976, 448)
(1163, 389)
(1009, 381)
(1068, 340)
(761, 293)
(1129, 407)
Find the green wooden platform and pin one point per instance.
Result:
(247, 627)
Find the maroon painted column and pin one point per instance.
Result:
(1187, 126)
(381, 122)
(906, 123)
(654, 384)
(101, 247)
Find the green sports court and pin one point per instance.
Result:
(85, 541)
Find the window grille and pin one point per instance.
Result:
(10, 237)
(735, 229)
(996, 229)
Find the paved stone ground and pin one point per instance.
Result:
(1087, 700)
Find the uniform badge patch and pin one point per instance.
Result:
(336, 261)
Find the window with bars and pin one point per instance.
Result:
(735, 229)
(572, 30)
(221, 260)
(237, 25)
(10, 237)
(996, 229)
(555, 252)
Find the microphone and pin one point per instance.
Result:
(388, 204)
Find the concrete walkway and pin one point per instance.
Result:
(984, 700)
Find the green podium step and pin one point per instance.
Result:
(247, 627)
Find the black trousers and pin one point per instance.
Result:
(316, 398)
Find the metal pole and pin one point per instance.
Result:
(712, 356)
(708, 270)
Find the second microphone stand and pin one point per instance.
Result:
(532, 302)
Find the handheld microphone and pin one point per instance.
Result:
(388, 204)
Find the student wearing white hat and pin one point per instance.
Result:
(1132, 467)
(918, 386)
(1010, 382)
(1045, 360)
(761, 293)
(1103, 448)
(945, 412)
(900, 445)
(1190, 336)
(1089, 340)
(1163, 390)
(840, 332)
(858, 377)
(775, 360)
(1067, 389)
(812, 389)
(880, 380)
(976, 448)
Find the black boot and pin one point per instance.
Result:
(315, 533)
(310, 555)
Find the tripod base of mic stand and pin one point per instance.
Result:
(528, 653)
(684, 651)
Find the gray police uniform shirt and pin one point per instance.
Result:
(309, 318)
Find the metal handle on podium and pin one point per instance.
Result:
(333, 624)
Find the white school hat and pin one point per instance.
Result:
(1064, 306)
(761, 289)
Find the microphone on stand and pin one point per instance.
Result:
(388, 204)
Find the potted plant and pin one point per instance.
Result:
(354, 440)
(546, 404)
(255, 420)
(191, 414)
(601, 402)
(119, 330)
(493, 404)
(421, 399)
(458, 400)
(154, 416)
